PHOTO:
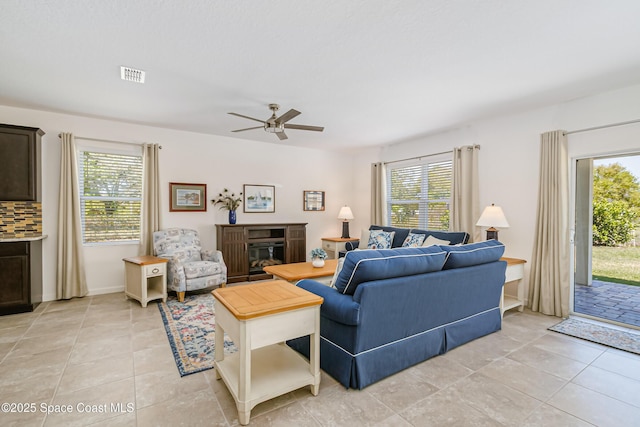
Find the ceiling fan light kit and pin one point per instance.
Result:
(277, 125)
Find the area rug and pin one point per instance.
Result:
(190, 327)
(601, 334)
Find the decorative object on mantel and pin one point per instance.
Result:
(345, 215)
(492, 217)
(187, 197)
(230, 202)
(318, 255)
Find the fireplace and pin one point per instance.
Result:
(264, 254)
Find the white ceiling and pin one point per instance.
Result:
(371, 71)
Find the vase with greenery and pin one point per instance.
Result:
(230, 202)
(318, 255)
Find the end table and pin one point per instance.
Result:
(145, 278)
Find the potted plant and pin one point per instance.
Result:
(318, 255)
(230, 202)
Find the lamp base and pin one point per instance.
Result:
(492, 233)
(345, 230)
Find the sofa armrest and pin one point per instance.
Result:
(336, 306)
(351, 245)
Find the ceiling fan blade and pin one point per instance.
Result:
(288, 116)
(282, 136)
(242, 130)
(246, 117)
(304, 127)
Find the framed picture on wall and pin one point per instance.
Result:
(259, 198)
(187, 197)
(313, 200)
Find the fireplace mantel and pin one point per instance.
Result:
(246, 248)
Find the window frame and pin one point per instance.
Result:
(113, 149)
(423, 201)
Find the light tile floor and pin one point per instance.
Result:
(106, 361)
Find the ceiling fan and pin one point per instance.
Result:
(277, 125)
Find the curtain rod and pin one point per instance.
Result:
(603, 127)
(469, 147)
(417, 157)
(109, 140)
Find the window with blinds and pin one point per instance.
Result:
(419, 193)
(110, 196)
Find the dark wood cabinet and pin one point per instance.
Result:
(20, 163)
(247, 248)
(20, 276)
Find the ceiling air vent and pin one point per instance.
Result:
(131, 74)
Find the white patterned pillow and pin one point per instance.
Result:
(413, 240)
(379, 239)
(364, 240)
(430, 241)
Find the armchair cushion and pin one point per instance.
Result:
(196, 269)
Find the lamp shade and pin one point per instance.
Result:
(492, 216)
(345, 213)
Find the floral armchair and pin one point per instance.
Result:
(189, 267)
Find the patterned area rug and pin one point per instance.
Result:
(601, 334)
(190, 327)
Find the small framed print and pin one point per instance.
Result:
(187, 197)
(259, 198)
(313, 200)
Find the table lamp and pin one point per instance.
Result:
(492, 217)
(345, 215)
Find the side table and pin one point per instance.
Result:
(145, 278)
(514, 273)
(333, 245)
(259, 318)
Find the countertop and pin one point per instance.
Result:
(4, 239)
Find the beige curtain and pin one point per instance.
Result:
(464, 200)
(71, 280)
(549, 275)
(378, 199)
(150, 197)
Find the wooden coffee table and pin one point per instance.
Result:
(304, 270)
(259, 318)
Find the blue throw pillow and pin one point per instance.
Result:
(379, 239)
(413, 240)
(472, 254)
(369, 264)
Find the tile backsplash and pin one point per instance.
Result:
(20, 219)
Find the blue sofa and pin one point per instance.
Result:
(400, 234)
(391, 309)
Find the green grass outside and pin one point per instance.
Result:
(616, 264)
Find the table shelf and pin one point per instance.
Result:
(275, 370)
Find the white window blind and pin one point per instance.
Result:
(419, 193)
(110, 196)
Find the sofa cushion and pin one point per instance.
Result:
(398, 237)
(453, 237)
(413, 240)
(370, 264)
(337, 272)
(472, 254)
(430, 241)
(380, 239)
